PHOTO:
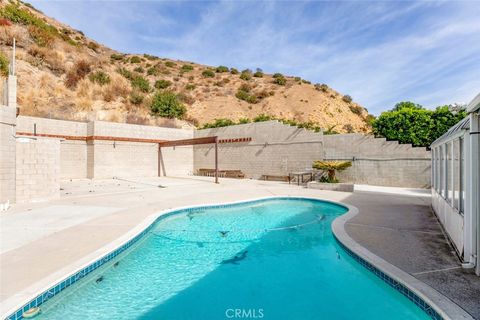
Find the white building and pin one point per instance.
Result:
(456, 185)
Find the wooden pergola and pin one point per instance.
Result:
(192, 142)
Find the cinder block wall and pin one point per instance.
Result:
(73, 154)
(134, 159)
(275, 149)
(376, 161)
(37, 169)
(7, 154)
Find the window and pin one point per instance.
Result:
(462, 176)
(442, 171)
(456, 173)
(448, 172)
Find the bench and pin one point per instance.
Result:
(270, 177)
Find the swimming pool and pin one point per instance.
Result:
(268, 259)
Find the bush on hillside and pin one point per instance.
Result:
(321, 87)
(140, 83)
(280, 80)
(153, 71)
(208, 73)
(263, 117)
(139, 69)
(218, 123)
(355, 109)
(3, 65)
(116, 57)
(258, 74)
(221, 69)
(347, 98)
(246, 75)
(190, 86)
(99, 77)
(166, 104)
(77, 73)
(136, 98)
(277, 75)
(233, 71)
(127, 74)
(187, 68)
(170, 64)
(162, 84)
(93, 46)
(135, 59)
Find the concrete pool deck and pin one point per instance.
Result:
(42, 239)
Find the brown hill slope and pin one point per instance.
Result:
(63, 74)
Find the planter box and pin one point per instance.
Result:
(346, 187)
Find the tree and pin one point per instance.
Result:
(331, 167)
(410, 123)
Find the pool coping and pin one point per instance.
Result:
(48, 287)
(405, 283)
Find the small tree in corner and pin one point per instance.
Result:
(331, 167)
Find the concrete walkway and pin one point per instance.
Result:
(59, 236)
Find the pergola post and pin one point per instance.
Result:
(216, 159)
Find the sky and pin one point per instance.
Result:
(378, 52)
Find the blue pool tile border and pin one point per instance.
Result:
(64, 284)
(412, 296)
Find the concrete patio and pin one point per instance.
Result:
(45, 240)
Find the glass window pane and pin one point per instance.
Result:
(462, 176)
(448, 172)
(456, 172)
(442, 170)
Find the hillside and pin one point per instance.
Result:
(62, 74)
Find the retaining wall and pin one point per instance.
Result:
(277, 149)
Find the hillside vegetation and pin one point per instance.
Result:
(62, 74)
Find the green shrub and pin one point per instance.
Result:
(139, 69)
(100, 77)
(258, 74)
(246, 75)
(140, 83)
(356, 109)
(170, 64)
(150, 57)
(190, 87)
(187, 68)
(242, 95)
(208, 73)
(298, 79)
(116, 57)
(135, 59)
(162, 84)
(233, 71)
(331, 130)
(221, 69)
(42, 37)
(166, 104)
(280, 80)
(3, 65)
(136, 98)
(93, 46)
(219, 123)
(321, 87)
(263, 117)
(278, 75)
(153, 71)
(125, 73)
(306, 81)
(347, 98)
(244, 120)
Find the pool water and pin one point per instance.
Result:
(273, 259)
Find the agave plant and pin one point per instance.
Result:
(331, 167)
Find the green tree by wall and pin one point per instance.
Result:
(409, 122)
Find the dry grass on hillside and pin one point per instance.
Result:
(63, 74)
